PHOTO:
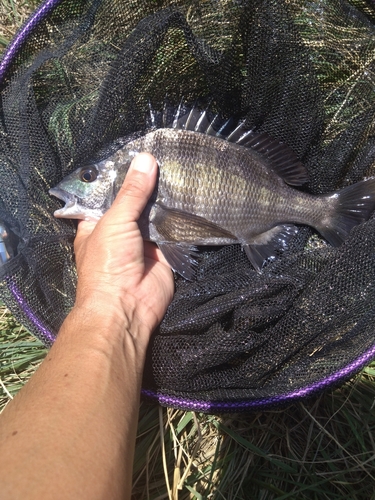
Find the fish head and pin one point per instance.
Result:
(88, 192)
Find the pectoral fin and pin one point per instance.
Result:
(175, 225)
(266, 244)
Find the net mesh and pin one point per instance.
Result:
(82, 75)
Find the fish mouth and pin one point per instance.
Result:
(71, 209)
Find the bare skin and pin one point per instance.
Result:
(70, 432)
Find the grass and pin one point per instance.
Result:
(318, 449)
(13, 13)
(20, 354)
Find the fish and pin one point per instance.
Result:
(6, 251)
(9, 242)
(220, 183)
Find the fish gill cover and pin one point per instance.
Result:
(81, 75)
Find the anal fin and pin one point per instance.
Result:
(256, 256)
(266, 244)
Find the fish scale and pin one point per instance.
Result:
(212, 191)
(245, 205)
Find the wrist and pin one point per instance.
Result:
(107, 319)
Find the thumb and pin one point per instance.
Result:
(137, 188)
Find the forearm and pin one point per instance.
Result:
(70, 432)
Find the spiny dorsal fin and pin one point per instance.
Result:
(278, 155)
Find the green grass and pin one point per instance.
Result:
(318, 449)
(20, 354)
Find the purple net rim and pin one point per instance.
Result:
(220, 406)
(20, 38)
(341, 375)
(47, 335)
(336, 378)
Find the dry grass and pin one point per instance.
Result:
(13, 14)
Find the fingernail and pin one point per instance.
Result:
(144, 163)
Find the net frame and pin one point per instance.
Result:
(30, 317)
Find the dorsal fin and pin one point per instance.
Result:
(192, 119)
(178, 120)
(279, 156)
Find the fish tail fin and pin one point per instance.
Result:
(351, 206)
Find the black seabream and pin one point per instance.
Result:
(217, 186)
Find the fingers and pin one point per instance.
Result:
(137, 188)
(84, 229)
(130, 200)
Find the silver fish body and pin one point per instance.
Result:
(212, 191)
(225, 184)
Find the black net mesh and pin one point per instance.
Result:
(81, 74)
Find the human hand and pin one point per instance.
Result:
(118, 272)
(87, 399)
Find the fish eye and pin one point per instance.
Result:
(88, 174)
